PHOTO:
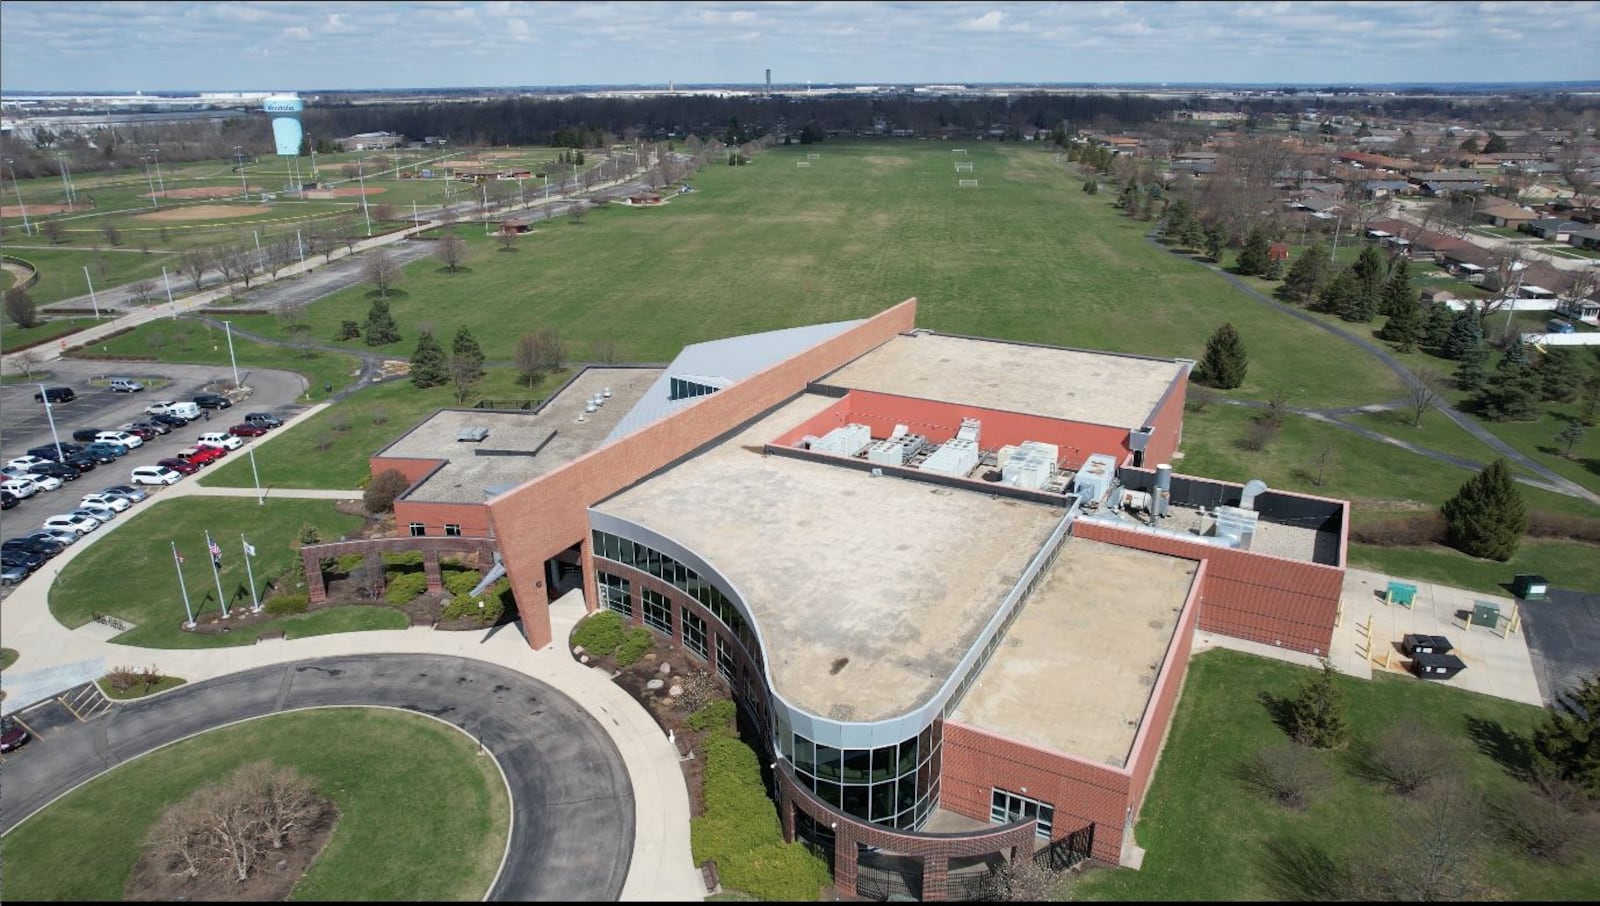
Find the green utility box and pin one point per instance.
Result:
(1485, 613)
(1530, 587)
(1401, 594)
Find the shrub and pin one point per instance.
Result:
(405, 588)
(639, 641)
(122, 679)
(1405, 757)
(284, 605)
(1552, 525)
(1547, 828)
(345, 564)
(402, 558)
(380, 495)
(1424, 528)
(600, 632)
(1286, 773)
(461, 581)
(462, 606)
(718, 715)
(740, 829)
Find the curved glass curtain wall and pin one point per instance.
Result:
(893, 785)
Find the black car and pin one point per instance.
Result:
(171, 421)
(212, 401)
(56, 470)
(26, 559)
(99, 454)
(55, 395)
(83, 462)
(48, 451)
(87, 435)
(8, 500)
(41, 544)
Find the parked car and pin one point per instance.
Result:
(11, 575)
(179, 408)
(155, 475)
(8, 500)
(26, 559)
(13, 735)
(263, 419)
(125, 385)
(57, 470)
(83, 462)
(126, 492)
(27, 545)
(20, 488)
(65, 536)
(245, 429)
(219, 439)
(114, 503)
(48, 541)
(171, 421)
(41, 482)
(101, 449)
(55, 395)
(102, 513)
(131, 441)
(83, 525)
(212, 401)
(201, 455)
(49, 451)
(26, 463)
(181, 466)
(143, 432)
(86, 435)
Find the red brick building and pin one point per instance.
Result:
(952, 581)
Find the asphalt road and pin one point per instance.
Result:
(573, 806)
(326, 279)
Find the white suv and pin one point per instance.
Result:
(109, 501)
(220, 439)
(82, 525)
(119, 437)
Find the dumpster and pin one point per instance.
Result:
(1485, 613)
(1437, 666)
(1413, 644)
(1401, 594)
(1530, 587)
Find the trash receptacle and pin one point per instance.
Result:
(1437, 666)
(1485, 613)
(1414, 644)
(1530, 587)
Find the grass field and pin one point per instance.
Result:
(330, 449)
(765, 246)
(1205, 834)
(13, 337)
(8, 656)
(130, 574)
(430, 825)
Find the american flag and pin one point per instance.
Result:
(178, 555)
(216, 552)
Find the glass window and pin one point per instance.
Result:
(451, 528)
(827, 762)
(805, 759)
(884, 763)
(657, 610)
(829, 793)
(694, 633)
(1006, 807)
(614, 593)
(908, 758)
(855, 801)
(418, 529)
(857, 765)
(883, 810)
(625, 552)
(907, 794)
(725, 665)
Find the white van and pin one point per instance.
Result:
(119, 437)
(183, 409)
(220, 439)
(155, 475)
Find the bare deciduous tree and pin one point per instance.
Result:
(452, 251)
(1287, 774)
(551, 349)
(53, 231)
(226, 829)
(27, 362)
(1423, 393)
(508, 240)
(142, 290)
(20, 307)
(1405, 757)
(604, 350)
(381, 270)
(193, 264)
(527, 357)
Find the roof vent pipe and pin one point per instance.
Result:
(1161, 499)
(1247, 499)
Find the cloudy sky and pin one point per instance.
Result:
(223, 45)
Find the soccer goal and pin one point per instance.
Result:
(802, 163)
(960, 151)
(967, 183)
(963, 168)
(813, 157)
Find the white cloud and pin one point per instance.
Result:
(296, 33)
(989, 21)
(335, 24)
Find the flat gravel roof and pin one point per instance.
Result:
(891, 578)
(1076, 385)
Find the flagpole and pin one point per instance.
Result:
(215, 574)
(255, 603)
(177, 563)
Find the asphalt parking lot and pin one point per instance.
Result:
(1563, 633)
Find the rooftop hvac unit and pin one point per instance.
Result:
(1029, 466)
(969, 429)
(957, 457)
(1237, 524)
(1093, 480)
(900, 431)
(1004, 455)
(845, 440)
(895, 452)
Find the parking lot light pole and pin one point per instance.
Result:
(26, 229)
(168, 281)
(50, 414)
(92, 300)
(227, 326)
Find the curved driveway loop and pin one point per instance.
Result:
(572, 804)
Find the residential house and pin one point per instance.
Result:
(1504, 214)
(1585, 239)
(1552, 228)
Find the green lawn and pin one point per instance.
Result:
(430, 825)
(1567, 564)
(1434, 433)
(1029, 256)
(1205, 833)
(13, 337)
(331, 449)
(188, 341)
(160, 685)
(61, 269)
(8, 656)
(98, 580)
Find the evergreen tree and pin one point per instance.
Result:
(1515, 389)
(1225, 361)
(428, 366)
(1566, 744)
(1371, 270)
(1494, 145)
(1179, 214)
(380, 327)
(1466, 335)
(465, 352)
(1308, 274)
(1474, 368)
(1342, 294)
(1254, 257)
(1404, 327)
(1436, 325)
(1397, 295)
(1487, 517)
(1317, 712)
(1274, 269)
(1215, 240)
(1193, 235)
(1560, 374)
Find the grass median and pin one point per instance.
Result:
(1208, 837)
(13, 338)
(431, 825)
(130, 574)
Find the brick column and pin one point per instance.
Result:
(316, 589)
(785, 807)
(935, 875)
(844, 859)
(430, 568)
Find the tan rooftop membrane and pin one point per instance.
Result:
(867, 591)
(1078, 665)
(1097, 388)
(467, 475)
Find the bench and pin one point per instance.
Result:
(270, 634)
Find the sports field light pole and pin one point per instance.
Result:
(92, 300)
(150, 181)
(26, 229)
(168, 281)
(238, 160)
(227, 326)
(300, 247)
(361, 172)
(261, 257)
(159, 180)
(49, 414)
